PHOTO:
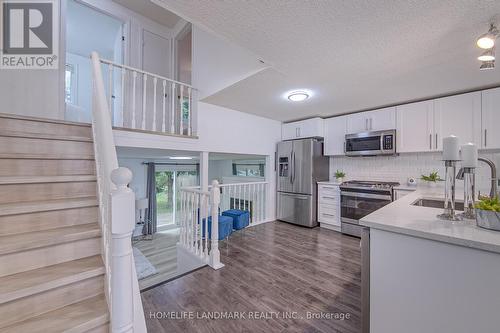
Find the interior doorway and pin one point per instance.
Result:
(169, 181)
(87, 30)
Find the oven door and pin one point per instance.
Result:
(356, 205)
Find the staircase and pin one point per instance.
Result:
(52, 277)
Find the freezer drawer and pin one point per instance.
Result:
(297, 208)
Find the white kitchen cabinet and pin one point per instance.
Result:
(490, 138)
(308, 128)
(415, 127)
(335, 131)
(329, 206)
(376, 120)
(458, 115)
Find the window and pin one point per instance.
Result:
(70, 84)
(248, 170)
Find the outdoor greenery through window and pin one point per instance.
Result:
(168, 185)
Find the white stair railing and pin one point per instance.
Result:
(117, 215)
(197, 209)
(145, 101)
(251, 197)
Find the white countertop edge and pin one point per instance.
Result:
(403, 218)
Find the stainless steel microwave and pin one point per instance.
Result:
(371, 143)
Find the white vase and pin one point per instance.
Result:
(339, 180)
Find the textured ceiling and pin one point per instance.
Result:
(151, 10)
(354, 54)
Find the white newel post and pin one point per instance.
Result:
(214, 244)
(122, 226)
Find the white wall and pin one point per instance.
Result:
(399, 168)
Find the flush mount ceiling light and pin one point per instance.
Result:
(487, 65)
(298, 95)
(488, 55)
(181, 158)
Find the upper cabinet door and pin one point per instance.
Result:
(414, 130)
(490, 138)
(335, 131)
(458, 115)
(382, 119)
(357, 123)
(376, 120)
(290, 131)
(311, 128)
(302, 129)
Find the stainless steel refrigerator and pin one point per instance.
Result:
(301, 165)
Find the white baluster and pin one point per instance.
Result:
(214, 260)
(189, 111)
(239, 197)
(181, 111)
(198, 211)
(155, 80)
(181, 218)
(172, 107)
(110, 87)
(163, 106)
(122, 111)
(144, 86)
(253, 201)
(134, 85)
(205, 225)
(122, 272)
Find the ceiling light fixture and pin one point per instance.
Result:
(487, 65)
(181, 158)
(487, 41)
(488, 55)
(298, 95)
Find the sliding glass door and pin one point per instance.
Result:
(169, 180)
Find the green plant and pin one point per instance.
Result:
(339, 174)
(487, 203)
(432, 177)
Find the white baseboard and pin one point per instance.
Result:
(330, 227)
(261, 222)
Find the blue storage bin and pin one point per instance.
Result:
(241, 218)
(225, 227)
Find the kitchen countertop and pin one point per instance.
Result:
(402, 217)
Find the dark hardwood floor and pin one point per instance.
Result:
(272, 271)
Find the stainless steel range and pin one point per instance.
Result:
(360, 198)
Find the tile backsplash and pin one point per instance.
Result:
(400, 168)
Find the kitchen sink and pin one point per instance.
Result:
(436, 203)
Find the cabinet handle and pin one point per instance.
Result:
(430, 141)
(485, 137)
(366, 124)
(326, 197)
(326, 214)
(436, 143)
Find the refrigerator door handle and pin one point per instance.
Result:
(293, 171)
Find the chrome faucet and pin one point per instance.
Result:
(494, 180)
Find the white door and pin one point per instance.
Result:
(335, 131)
(382, 119)
(156, 54)
(458, 115)
(357, 122)
(414, 127)
(156, 59)
(490, 138)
